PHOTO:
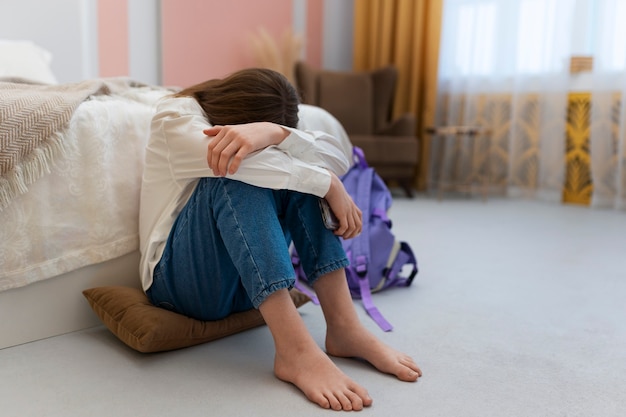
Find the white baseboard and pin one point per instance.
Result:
(56, 306)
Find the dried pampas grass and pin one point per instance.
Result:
(278, 56)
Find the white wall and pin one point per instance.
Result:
(144, 40)
(338, 35)
(67, 28)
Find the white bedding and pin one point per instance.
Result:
(86, 210)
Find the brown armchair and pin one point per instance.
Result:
(362, 102)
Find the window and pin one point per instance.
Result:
(531, 37)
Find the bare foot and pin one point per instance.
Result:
(358, 342)
(320, 380)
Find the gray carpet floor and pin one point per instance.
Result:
(519, 309)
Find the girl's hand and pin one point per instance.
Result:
(344, 208)
(231, 144)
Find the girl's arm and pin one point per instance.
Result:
(320, 140)
(180, 124)
(231, 144)
(260, 161)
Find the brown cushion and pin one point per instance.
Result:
(350, 98)
(392, 150)
(384, 81)
(130, 316)
(306, 80)
(360, 100)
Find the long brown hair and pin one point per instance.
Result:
(246, 96)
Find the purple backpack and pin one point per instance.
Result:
(377, 259)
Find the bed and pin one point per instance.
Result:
(69, 212)
(68, 206)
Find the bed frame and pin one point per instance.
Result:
(56, 306)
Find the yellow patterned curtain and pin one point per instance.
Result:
(404, 33)
(556, 128)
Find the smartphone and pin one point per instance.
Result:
(330, 221)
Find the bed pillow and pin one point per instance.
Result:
(128, 314)
(27, 60)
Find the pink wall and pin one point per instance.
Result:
(314, 24)
(113, 38)
(205, 39)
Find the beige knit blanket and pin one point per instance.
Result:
(31, 116)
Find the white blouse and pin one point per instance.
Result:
(176, 159)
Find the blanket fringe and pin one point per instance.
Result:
(36, 114)
(36, 165)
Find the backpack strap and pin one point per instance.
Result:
(359, 156)
(368, 303)
(361, 249)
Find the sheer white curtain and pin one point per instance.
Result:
(608, 112)
(505, 65)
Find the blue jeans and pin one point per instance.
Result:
(228, 249)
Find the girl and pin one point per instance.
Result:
(229, 181)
